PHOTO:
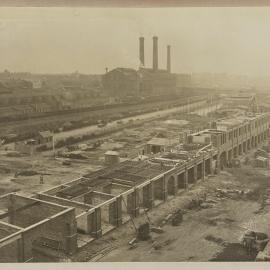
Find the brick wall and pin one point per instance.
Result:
(58, 229)
(8, 253)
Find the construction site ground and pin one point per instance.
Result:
(128, 142)
(211, 232)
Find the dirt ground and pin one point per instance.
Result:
(211, 233)
(128, 142)
(29, 170)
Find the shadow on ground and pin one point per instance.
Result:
(234, 252)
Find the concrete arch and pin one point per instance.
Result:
(158, 190)
(207, 166)
(235, 152)
(223, 159)
(245, 147)
(171, 187)
(191, 175)
(230, 156)
(248, 144)
(240, 149)
(252, 142)
(148, 200)
(200, 172)
(181, 181)
(256, 141)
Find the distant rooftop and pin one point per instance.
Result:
(230, 122)
(112, 153)
(238, 120)
(161, 141)
(126, 71)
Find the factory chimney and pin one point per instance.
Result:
(155, 53)
(169, 58)
(141, 51)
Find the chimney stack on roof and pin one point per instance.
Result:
(141, 51)
(155, 53)
(169, 58)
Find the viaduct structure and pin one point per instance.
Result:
(66, 217)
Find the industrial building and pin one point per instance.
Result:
(245, 100)
(144, 81)
(235, 136)
(121, 80)
(157, 145)
(71, 215)
(43, 140)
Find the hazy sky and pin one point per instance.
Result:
(56, 40)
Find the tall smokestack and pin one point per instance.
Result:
(169, 58)
(155, 53)
(141, 51)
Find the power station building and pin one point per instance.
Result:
(144, 81)
(121, 81)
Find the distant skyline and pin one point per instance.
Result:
(87, 40)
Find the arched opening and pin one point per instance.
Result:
(223, 160)
(230, 156)
(171, 186)
(244, 147)
(199, 171)
(235, 152)
(256, 141)
(181, 181)
(252, 142)
(191, 175)
(216, 164)
(147, 196)
(207, 167)
(240, 151)
(248, 144)
(158, 191)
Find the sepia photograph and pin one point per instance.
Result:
(134, 132)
